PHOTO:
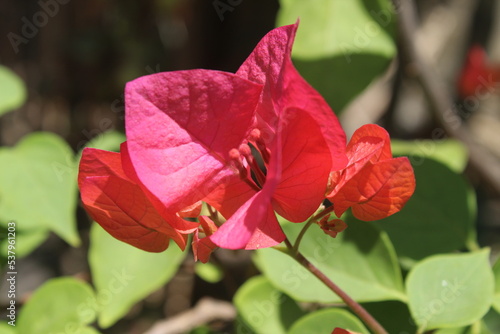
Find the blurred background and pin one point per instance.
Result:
(75, 57)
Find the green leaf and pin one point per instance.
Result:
(123, 274)
(12, 90)
(456, 330)
(265, 309)
(496, 299)
(324, 321)
(89, 330)
(241, 327)
(340, 27)
(341, 46)
(38, 186)
(360, 260)
(450, 290)
(394, 316)
(477, 328)
(339, 82)
(438, 218)
(492, 321)
(208, 272)
(25, 241)
(6, 328)
(450, 152)
(61, 305)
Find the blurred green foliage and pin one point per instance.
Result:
(341, 54)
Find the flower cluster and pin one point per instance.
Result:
(251, 144)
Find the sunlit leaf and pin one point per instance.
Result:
(25, 240)
(208, 272)
(340, 27)
(341, 46)
(450, 290)
(61, 305)
(6, 328)
(496, 272)
(477, 328)
(264, 308)
(324, 321)
(12, 90)
(123, 274)
(38, 185)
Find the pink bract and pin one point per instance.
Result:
(181, 127)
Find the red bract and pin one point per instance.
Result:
(122, 208)
(180, 128)
(477, 75)
(374, 184)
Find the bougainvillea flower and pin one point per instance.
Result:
(190, 136)
(122, 208)
(373, 184)
(477, 74)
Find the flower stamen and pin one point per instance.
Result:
(237, 161)
(260, 177)
(260, 145)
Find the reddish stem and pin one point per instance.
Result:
(351, 303)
